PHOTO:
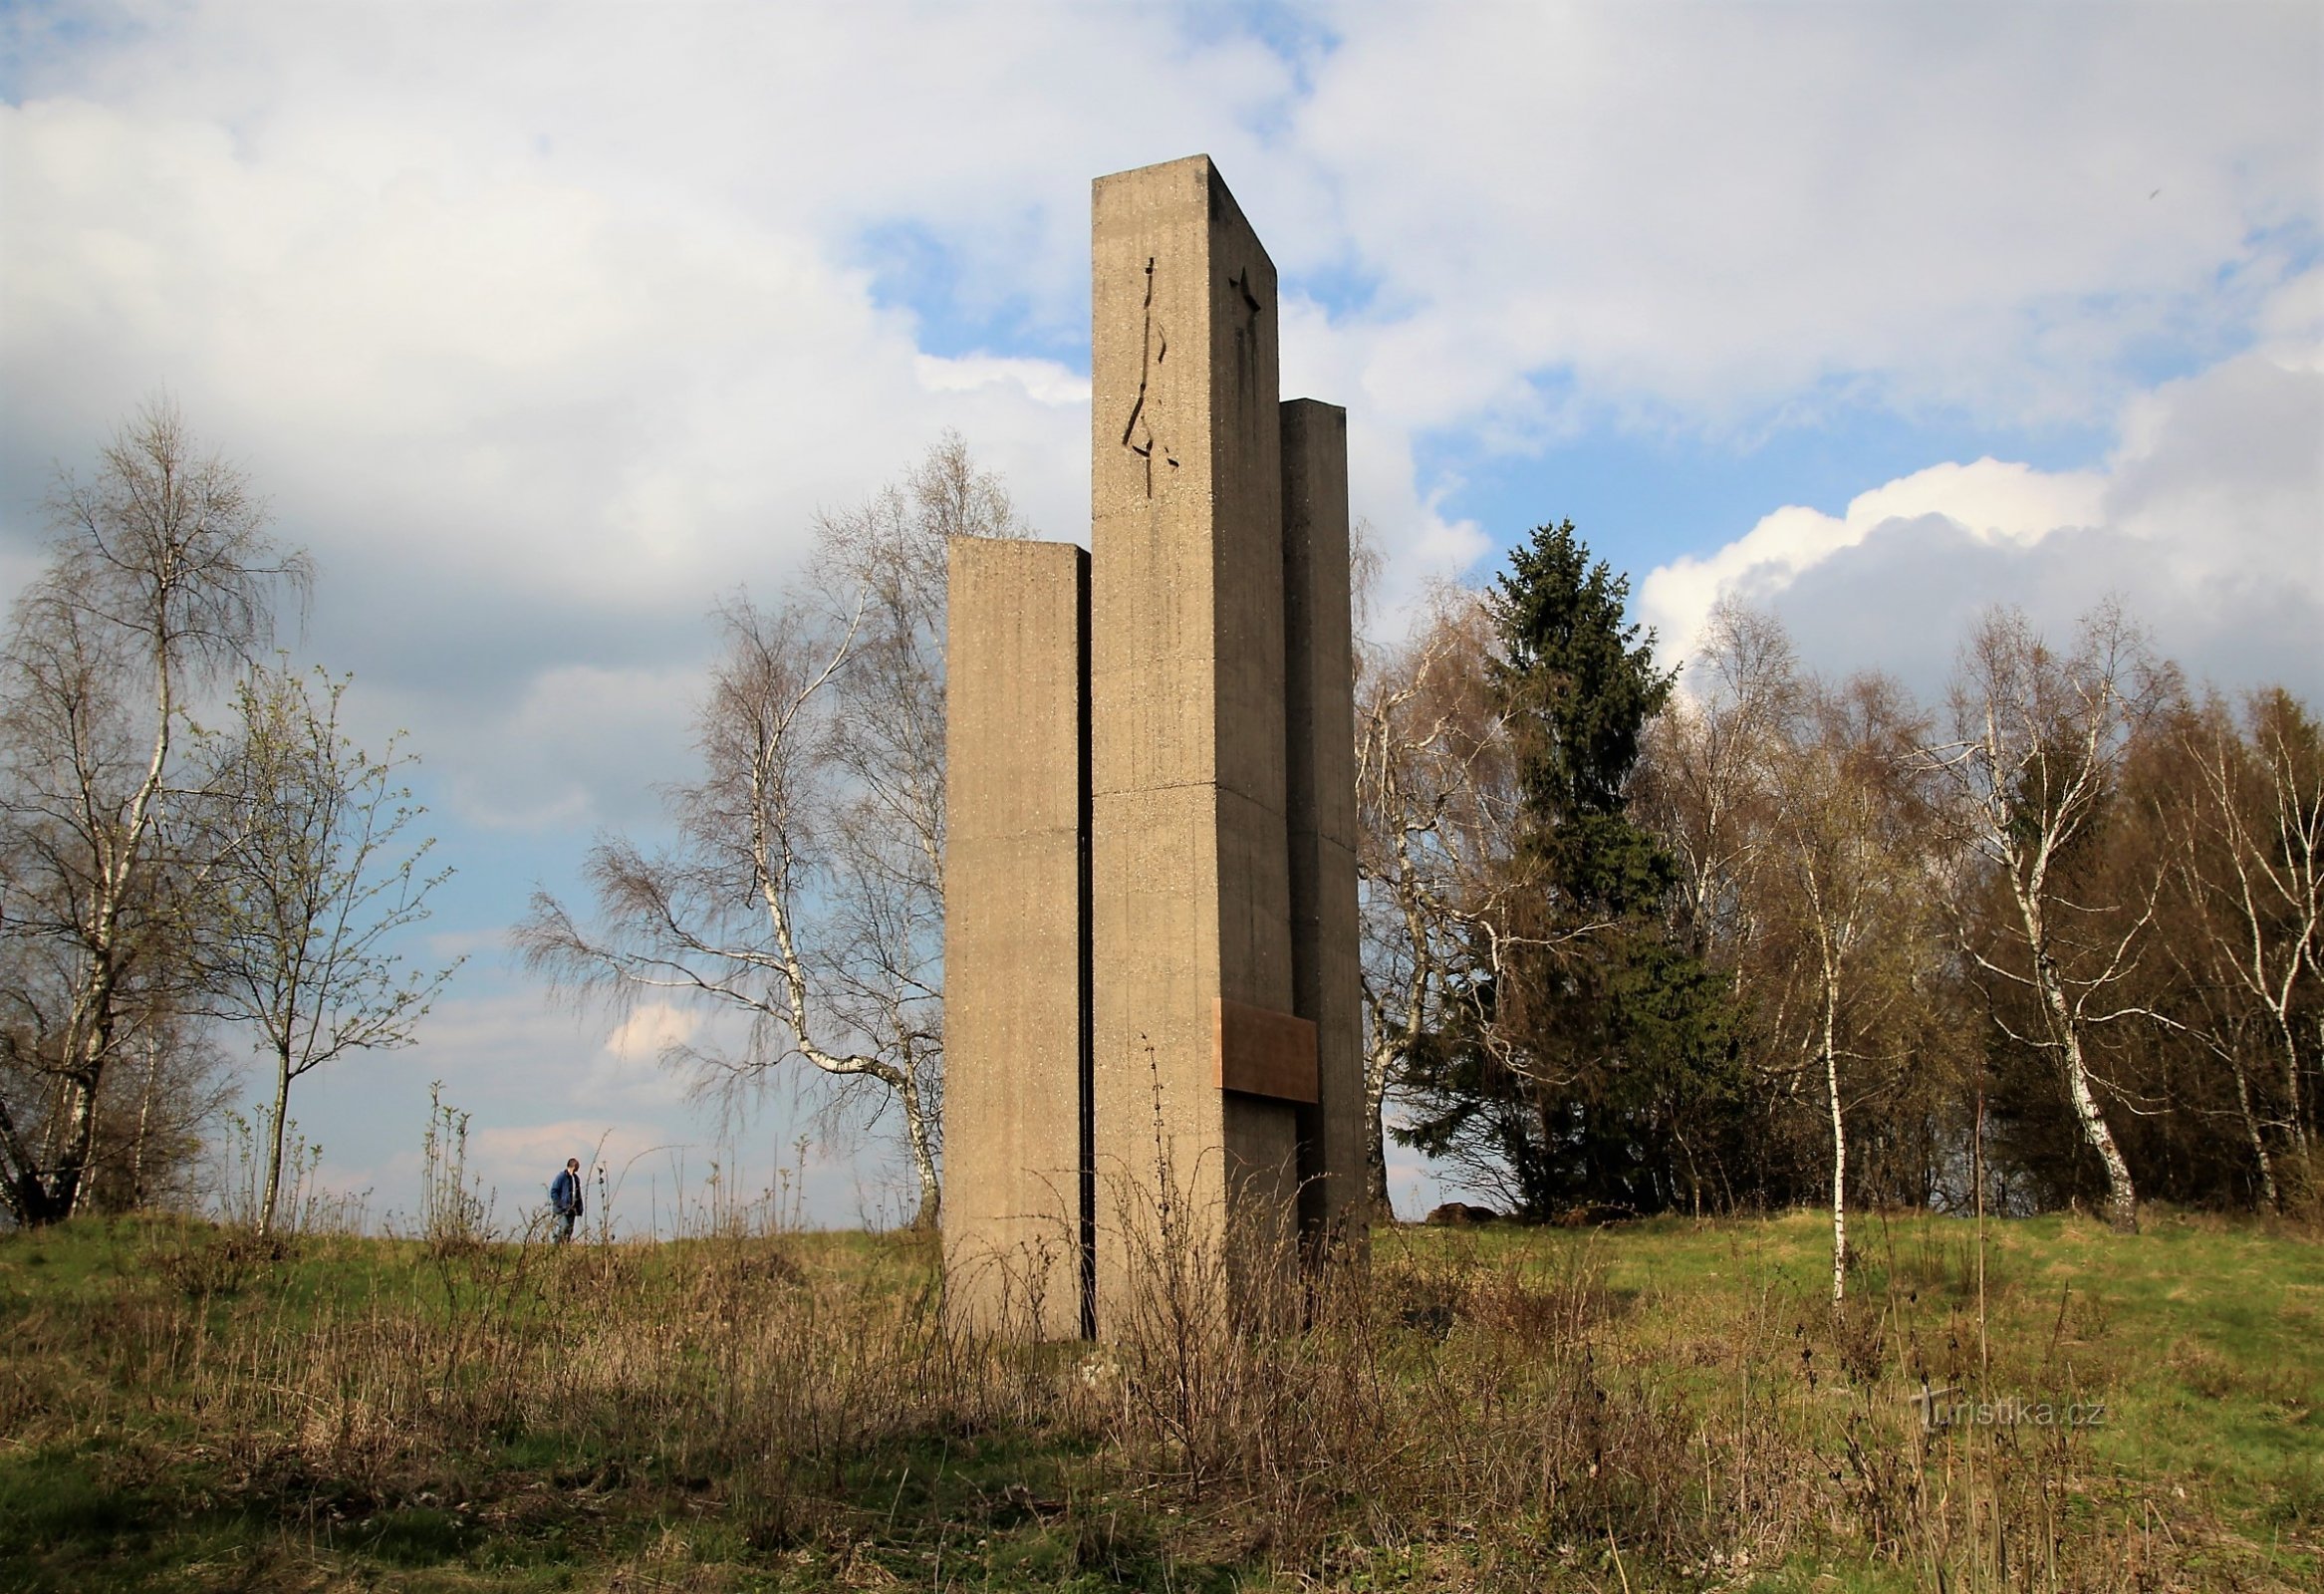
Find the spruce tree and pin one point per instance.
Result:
(1595, 1064)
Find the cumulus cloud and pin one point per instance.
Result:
(1044, 380)
(1991, 503)
(651, 1028)
(2207, 521)
(570, 747)
(537, 364)
(1698, 213)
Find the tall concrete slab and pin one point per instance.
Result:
(1191, 888)
(1018, 971)
(1152, 1029)
(1319, 710)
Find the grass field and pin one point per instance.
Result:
(1665, 1405)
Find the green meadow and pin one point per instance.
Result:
(1662, 1405)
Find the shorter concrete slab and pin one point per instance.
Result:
(1016, 1209)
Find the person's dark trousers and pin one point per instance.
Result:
(564, 1227)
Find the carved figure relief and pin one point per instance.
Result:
(1138, 433)
(1246, 333)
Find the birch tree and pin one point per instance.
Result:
(1707, 773)
(1435, 807)
(881, 570)
(1846, 881)
(2038, 740)
(804, 888)
(162, 578)
(303, 910)
(2247, 851)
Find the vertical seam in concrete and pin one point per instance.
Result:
(1087, 1060)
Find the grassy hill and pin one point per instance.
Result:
(1661, 1405)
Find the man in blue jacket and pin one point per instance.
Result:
(565, 1197)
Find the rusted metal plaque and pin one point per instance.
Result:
(1265, 1054)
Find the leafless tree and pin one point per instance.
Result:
(2247, 845)
(1847, 886)
(1790, 808)
(2038, 740)
(881, 568)
(301, 907)
(162, 578)
(1434, 803)
(1707, 773)
(162, 1095)
(805, 889)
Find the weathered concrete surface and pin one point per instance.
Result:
(1016, 957)
(1320, 716)
(1192, 892)
(1153, 1031)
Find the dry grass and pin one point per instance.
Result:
(1669, 1407)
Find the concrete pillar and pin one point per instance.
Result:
(1016, 946)
(1319, 707)
(1199, 1057)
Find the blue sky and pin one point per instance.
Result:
(545, 326)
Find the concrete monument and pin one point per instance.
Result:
(1151, 1007)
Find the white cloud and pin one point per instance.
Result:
(2207, 521)
(651, 1029)
(1044, 380)
(485, 320)
(1991, 502)
(1705, 211)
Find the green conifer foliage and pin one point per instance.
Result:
(1595, 1064)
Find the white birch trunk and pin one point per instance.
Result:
(1839, 1131)
(274, 1150)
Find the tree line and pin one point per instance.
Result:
(1634, 943)
(189, 839)
(1635, 939)
(1644, 942)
